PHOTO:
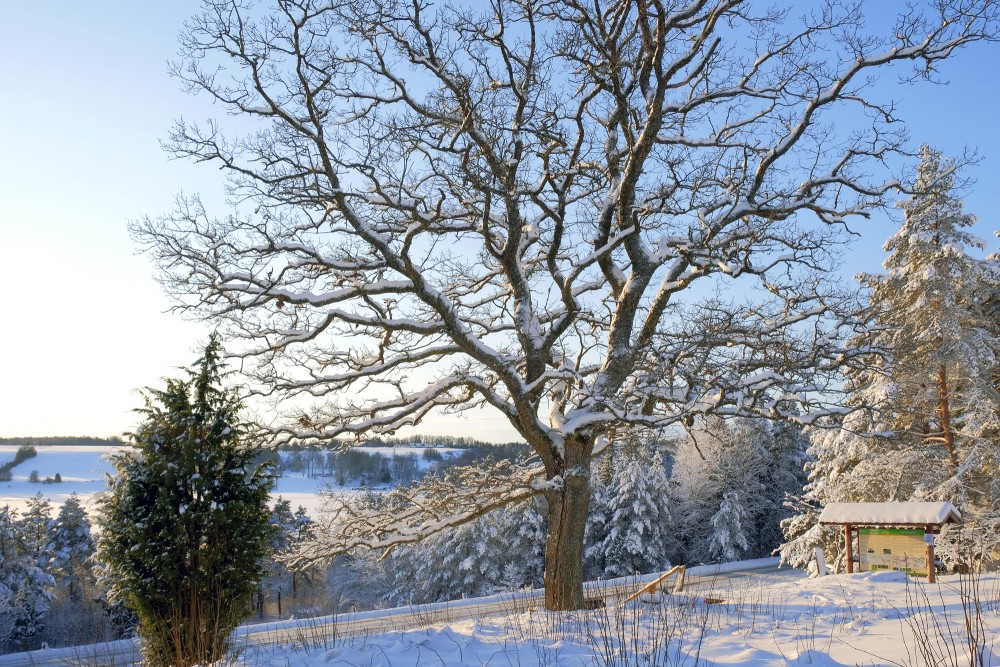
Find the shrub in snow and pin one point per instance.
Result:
(185, 525)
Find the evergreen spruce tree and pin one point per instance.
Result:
(726, 463)
(635, 541)
(289, 530)
(185, 525)
(70, 547)
(501, 551)
(598, 520)
(523, 529)
(927, 406)
(24, 586)
(729, 538)
(35, 525)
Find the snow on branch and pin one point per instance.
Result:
(405, 515)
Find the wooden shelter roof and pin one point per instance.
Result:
(890, 514)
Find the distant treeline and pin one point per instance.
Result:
(452, 441)
(365, 468)
(63, 441)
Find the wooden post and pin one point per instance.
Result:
(850, 548)
(929, 541)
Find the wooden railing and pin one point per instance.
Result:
(651, 587)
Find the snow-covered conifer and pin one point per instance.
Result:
(24, 586)
(637, 517)
(35, 525)
(500, 551)
(728, 540)
(748, 459)
(70, 547)
(185, 524)
(926, 426)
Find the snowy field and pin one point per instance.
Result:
(871, 619)
(83, 470)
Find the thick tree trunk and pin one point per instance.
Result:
(944, 408)
(567, 519)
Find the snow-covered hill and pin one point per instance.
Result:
(750, 620)
(873, 619)
(83, 470)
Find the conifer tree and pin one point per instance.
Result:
(35, 525)
(729, 538)
(925, 426)
(24, 586)
(502, 550)
(70, 547)
(637, 515)
(733, 476)
(185, 524)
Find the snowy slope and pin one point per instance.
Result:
(876, 619)
(83, 470)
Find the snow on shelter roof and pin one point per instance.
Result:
(926, 514)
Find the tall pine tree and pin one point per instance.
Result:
(24, 586)
(925, 426)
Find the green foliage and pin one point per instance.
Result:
(185, 525)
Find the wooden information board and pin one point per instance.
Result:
(900, 549)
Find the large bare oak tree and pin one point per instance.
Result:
(588, 216)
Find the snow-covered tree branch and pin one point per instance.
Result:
(581, 215)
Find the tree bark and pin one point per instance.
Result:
(944, 408)
(567, 520)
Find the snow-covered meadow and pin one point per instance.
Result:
(871, 619)
(84, 471)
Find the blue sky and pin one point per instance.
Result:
(86, 100)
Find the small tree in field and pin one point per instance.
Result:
(185, 525)
(527, 206)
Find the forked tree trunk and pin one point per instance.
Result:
(567, 519)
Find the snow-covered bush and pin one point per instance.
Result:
(186, 523)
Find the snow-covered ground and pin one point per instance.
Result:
(83, 471)
(872, 619)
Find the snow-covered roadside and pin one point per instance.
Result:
(872, 619)
(877, 619)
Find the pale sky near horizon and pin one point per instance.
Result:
(85, 100)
